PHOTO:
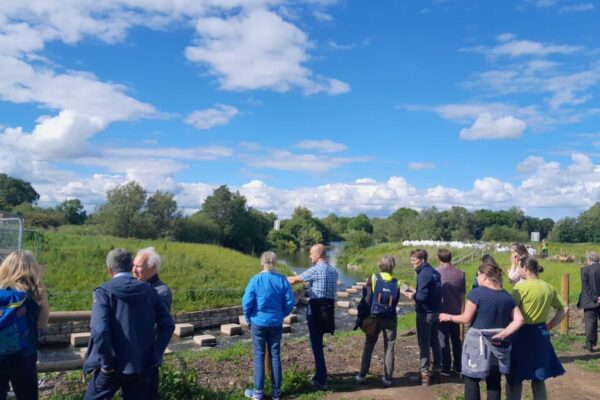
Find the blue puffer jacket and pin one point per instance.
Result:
(130, 327)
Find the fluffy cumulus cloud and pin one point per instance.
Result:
(258, 49)
(221, 114)
(486, 127)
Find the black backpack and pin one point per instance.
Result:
(385, 297)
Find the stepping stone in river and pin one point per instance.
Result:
(352, 291)
(80, 339)
(205, 340)
(352, 311)
(290, 319)
(231, 329)
(182, 330)
(242, 321)
(287, 328)
(342, 294)
(342, 304)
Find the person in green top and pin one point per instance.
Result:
(532, 356)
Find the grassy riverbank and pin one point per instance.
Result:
(201, 276)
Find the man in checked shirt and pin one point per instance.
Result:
(322, 278)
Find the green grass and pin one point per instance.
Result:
(201, 276)
(592, 365)
(563, 343)
(407, 322)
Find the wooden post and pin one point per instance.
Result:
(564, 291)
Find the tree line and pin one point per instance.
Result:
(226, 219)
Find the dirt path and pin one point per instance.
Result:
(576, 384)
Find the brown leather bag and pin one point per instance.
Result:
(370, 326)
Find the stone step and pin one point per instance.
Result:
(352, 291)
(357, 299)
(342, 304)
(205, 340)
(342, 294)
(361, 283)
(242, 321)
(80, 339)
(357, 287)
(352, 311)
(290, 319)
(231, 329)
(182, 330)
(287, 328)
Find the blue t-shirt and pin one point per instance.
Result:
(494, 307)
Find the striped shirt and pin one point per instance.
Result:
(323, 281)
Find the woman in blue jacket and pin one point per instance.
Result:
(267, 300)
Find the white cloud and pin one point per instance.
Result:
(511, 47)
(531, 164)
(258, 49)
(505, 37)
(580, 7)
(287, 161)
(221, 114)
(195, 153)
(54, 138)
(322, 16)
(322, 146)
(486, 127)
(416, 166)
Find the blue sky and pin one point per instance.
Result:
(337, 105)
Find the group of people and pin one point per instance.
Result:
(131, 324)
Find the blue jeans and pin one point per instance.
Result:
(271, 338)
(105, 385)
(22, 373)
(315, 334)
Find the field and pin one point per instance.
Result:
(201, 276)
(367, 260)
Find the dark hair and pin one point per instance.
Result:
(520, 249)
(532, 265)
(493, 272)
(444, 255)
(119, 260)
(487, 259)
(421, 254)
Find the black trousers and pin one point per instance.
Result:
(449, 335)
(590, 318)
(21, 372)
(493, 382)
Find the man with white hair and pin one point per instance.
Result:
(145, 267)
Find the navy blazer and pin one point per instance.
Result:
(130, 327)
(428, 295)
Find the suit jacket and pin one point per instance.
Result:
(130, 327)
(590, 286)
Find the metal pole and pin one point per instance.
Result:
(564, 291)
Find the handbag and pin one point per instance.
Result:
(370, 326)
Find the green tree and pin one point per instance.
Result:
(360, 223)
(589, 224)
(39, 217)
(566, 230)
(197, 228)
(73, 211)
(121, 215)
(15, 191)
(161, 210)
(504, 234)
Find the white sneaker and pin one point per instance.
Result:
(386, 382)
(361, 380)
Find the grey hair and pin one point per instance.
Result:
(268, 259)
(593, 256)
(119, 260)
(387, 263)
(153, 259)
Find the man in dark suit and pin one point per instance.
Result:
(130, 329)
(589, 299)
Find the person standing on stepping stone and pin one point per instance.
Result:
(322, 278)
